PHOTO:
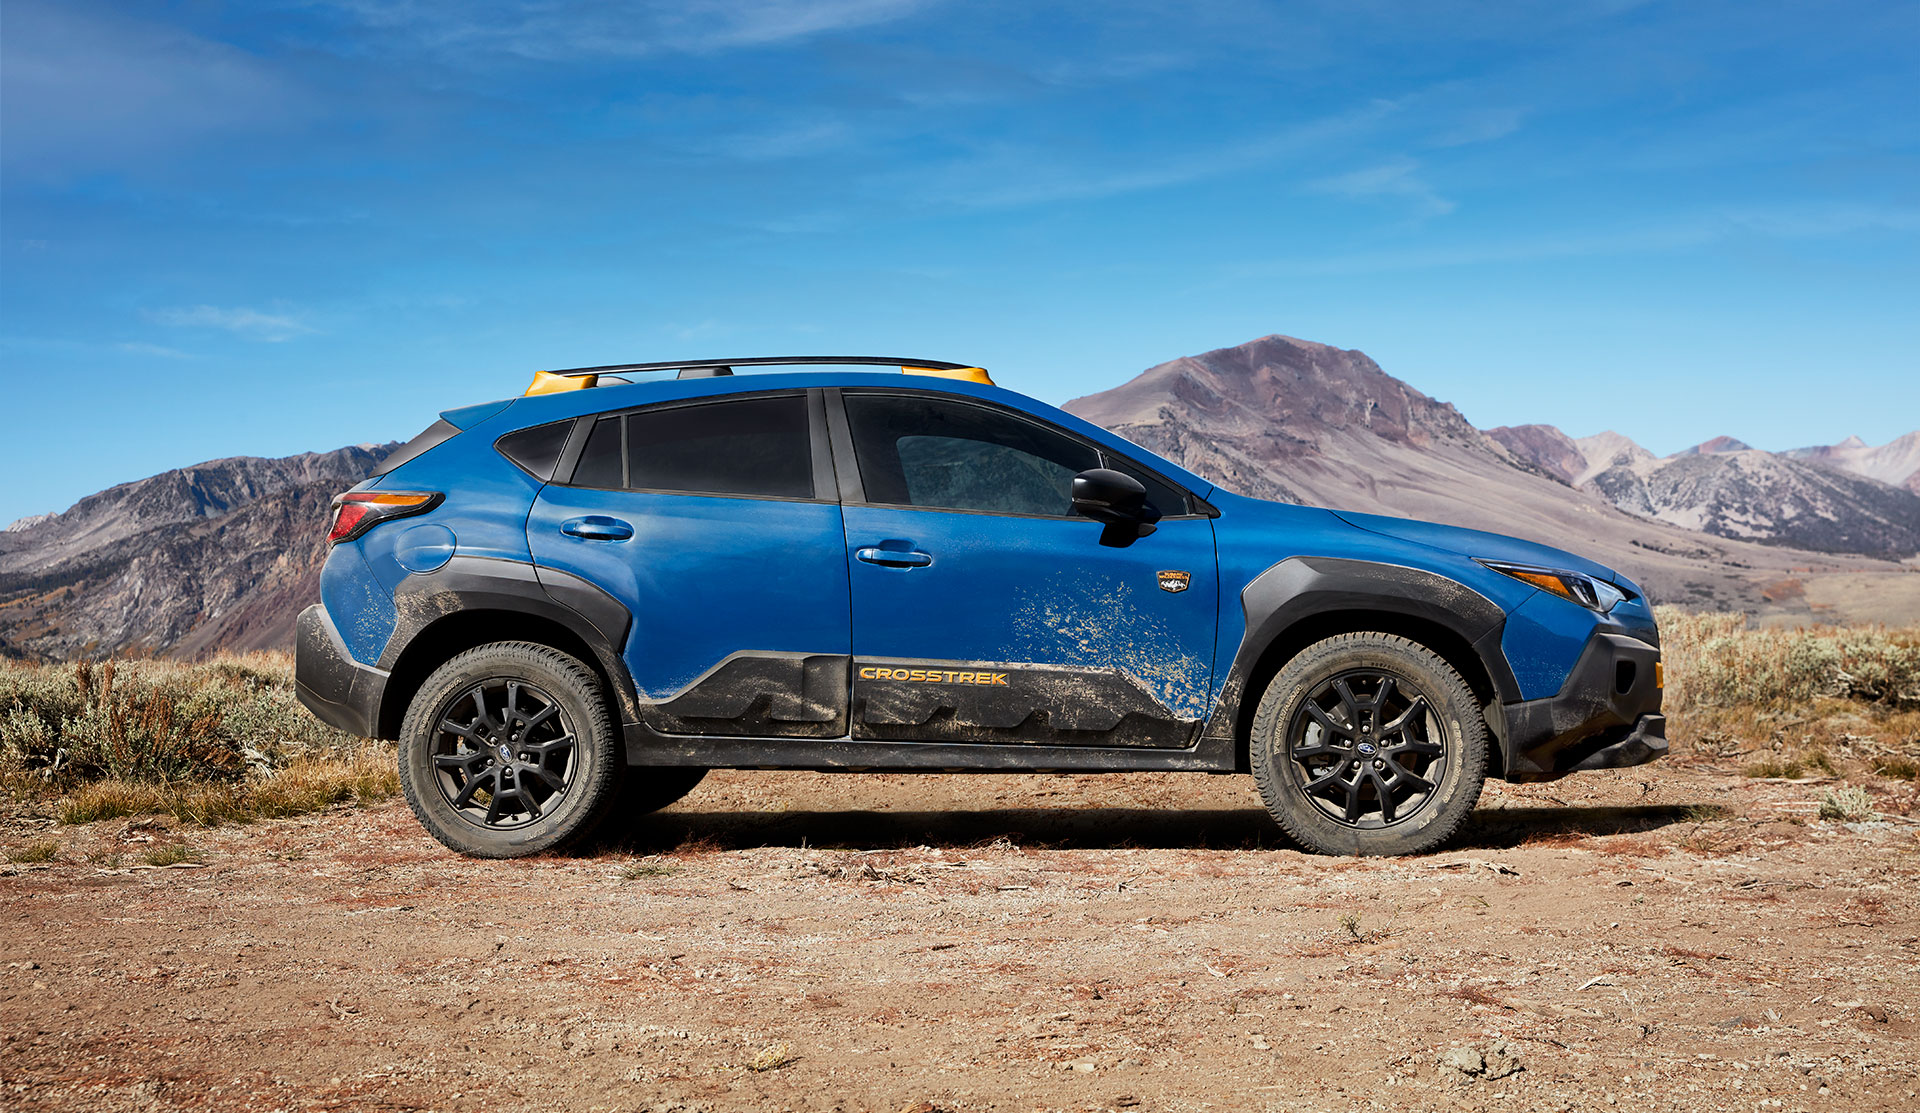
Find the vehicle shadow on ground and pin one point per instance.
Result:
(1084, 828)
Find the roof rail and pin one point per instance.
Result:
(579, 378)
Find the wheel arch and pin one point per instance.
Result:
(1301, 601)
(448, 637)
(474, 601)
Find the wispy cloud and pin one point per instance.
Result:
(253, 324)
(1398, 179)
(87, 89)
(545, 30)
(1678, 233)
(1023, 175)
(161, 351)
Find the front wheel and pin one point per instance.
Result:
(1369, 744)
(508, 750)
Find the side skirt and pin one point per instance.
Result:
(841, 755)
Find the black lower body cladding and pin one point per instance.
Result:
(340, 691)
(1606, 715)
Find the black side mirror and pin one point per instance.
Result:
(1116, 500)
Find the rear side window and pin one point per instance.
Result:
(748, 446)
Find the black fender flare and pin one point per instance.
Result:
(469, 585)
(1309, 592)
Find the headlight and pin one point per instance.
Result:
(1574, 587)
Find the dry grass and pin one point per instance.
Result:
(308, 785)
(217, 741)
(1825, 701)
(161, 721)
(170, 854)
(44, 851)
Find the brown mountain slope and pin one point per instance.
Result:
(161, 568)
(1291, 419)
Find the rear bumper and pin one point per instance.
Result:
(341, 691)
(1606, 716)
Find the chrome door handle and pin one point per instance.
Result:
(894, 558)
(597, 527)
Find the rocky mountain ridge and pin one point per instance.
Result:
(1285, 418)
(1846, 498)
(220, 555)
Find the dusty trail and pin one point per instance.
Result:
(1675, 939)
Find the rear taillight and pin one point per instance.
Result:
(356, 512)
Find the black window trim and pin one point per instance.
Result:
(817, 437)
(853, 492)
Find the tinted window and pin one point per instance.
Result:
(602, 462)
(753, 446)
(536, 449)
(921, 451)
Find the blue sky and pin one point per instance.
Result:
(266, 228)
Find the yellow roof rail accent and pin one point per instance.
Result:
(546, 382)
(964, 374)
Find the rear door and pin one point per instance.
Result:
(717, 524)
(984, 610)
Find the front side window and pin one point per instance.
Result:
(915, 450)
(748, 446)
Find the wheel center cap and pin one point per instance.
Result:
(505, 754)
(1366, 747)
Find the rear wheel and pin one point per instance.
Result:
(1369, 744)
(508, 750)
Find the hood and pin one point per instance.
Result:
(1477, 543)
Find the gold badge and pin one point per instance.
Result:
(1174, 580)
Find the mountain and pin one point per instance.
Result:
(221, 555)
(1896, 463)
(1718, 446)
(1725, 487)
(1284, 418)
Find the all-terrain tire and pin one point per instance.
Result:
(1323, 778)
(436, 762)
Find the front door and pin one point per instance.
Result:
(718, 527)
(984, 610)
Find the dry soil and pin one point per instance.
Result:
(1671, 938)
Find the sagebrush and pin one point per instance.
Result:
(224, 739)
(1719, 660)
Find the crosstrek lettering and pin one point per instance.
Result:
(934, 676)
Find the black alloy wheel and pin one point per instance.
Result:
(1367, 749)
(504, 754)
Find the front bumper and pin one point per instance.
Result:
(1606, 715)
(341, 691)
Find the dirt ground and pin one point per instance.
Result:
(1670, 938)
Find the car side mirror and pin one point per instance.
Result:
(1117, 501)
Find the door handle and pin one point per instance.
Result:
(597, 527)
(894, 558)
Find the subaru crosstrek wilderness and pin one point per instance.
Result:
(573, 603)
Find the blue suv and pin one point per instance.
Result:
(571, 604)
